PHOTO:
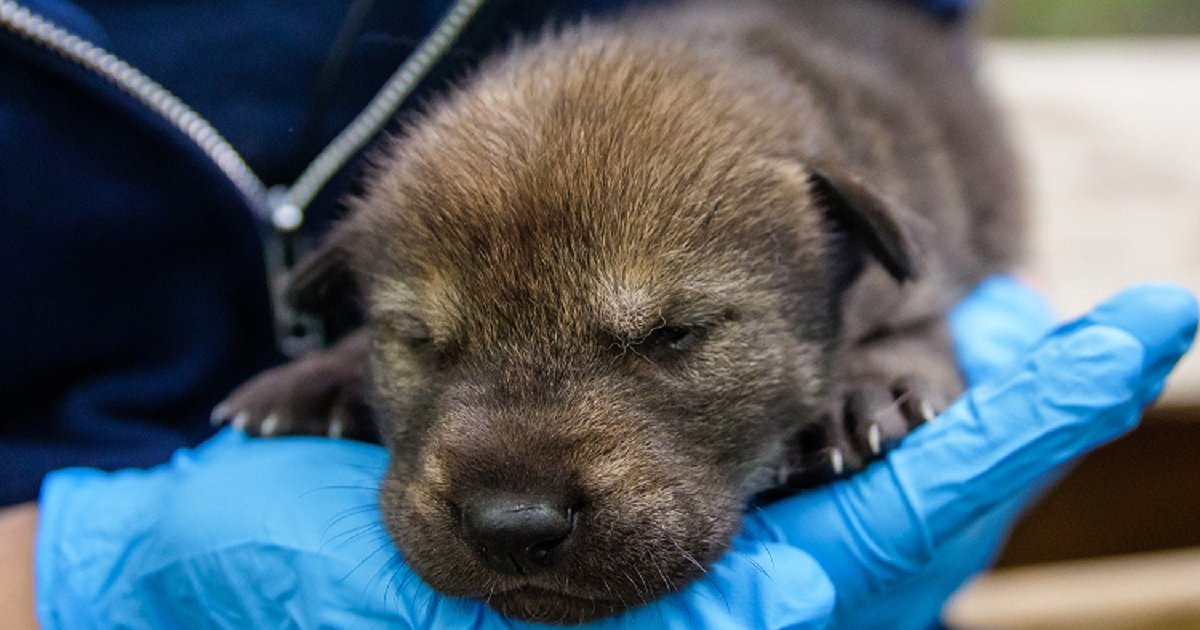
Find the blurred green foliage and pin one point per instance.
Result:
(1090, 18)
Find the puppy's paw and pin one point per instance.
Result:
(867, 420)
(322, 394)
(875, 415)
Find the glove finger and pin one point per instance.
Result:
(1162, 317)
(998, 322)
(1086, 386)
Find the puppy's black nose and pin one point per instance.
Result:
(517, 534)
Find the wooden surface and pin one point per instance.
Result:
(1109, 135)
(1160, 590)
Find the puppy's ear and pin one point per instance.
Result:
(865, 219)
(321, 280)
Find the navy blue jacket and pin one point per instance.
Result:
(132, 289)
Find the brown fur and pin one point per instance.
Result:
(720, 169)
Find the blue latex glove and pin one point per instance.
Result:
(250, 533)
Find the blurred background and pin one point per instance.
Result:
(1103, 100)
(1063, 19)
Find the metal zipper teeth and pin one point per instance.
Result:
(130, 80)
(372, 119)
(284, 208)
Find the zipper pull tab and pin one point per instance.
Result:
(296, 333)
(286, 216)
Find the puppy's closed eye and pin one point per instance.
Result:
(670, 341)
(680, 332)
(408, 334)
(410, 329)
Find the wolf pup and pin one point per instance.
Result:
(634, 274)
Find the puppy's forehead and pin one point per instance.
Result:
(573, 255)
(556, 190)
(535, 285)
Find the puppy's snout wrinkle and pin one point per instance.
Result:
(518, 534)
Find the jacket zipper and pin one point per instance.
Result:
(282, 206)
(147, 91)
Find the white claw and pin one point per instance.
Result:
(874, 439)
(836, 462)
(220, 414)
(336, 427)
(927, 411)
(240, 420)
(269, 424)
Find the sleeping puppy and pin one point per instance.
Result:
(633, 275)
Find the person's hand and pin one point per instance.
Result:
(900, 538)
(248, 533)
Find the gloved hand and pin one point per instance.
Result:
(250, 533)
(898, 539)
